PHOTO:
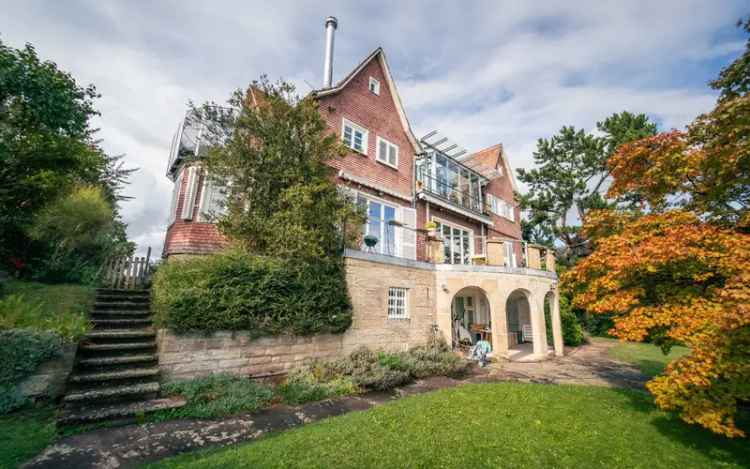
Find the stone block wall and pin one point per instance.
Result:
(183, 356)
(48, 380)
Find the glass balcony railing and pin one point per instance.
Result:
(445, 178)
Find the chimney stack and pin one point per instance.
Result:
(331, 24)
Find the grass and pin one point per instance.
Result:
(60, 308)
(648, 357)
(24, 434)
(491, 425)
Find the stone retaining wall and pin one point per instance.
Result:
(48, 380)
(183, 356)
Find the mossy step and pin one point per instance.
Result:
(112, 392)
(119, 360)
(125, 346)
(116, 298)
(121, 334)
(138, 322)
(130, 373)
(118, 411)
(126, 313)
(121, 291)
(112, 305)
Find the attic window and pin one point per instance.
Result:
(374, 86)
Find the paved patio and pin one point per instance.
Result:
(133, 445)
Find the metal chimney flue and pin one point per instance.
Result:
(331, 24)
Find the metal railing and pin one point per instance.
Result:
(460, 197)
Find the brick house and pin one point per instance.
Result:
(431, 205)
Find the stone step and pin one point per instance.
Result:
(115, 298)
(128, 410)
(119, 360)
(120, 305)
(115, 314)
(117, 347)
(121, 323)
(115, 335)
(129, 391)
(120, 291)
(130, 373)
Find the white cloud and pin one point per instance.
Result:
(482, 72)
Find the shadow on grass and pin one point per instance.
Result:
(719, 448)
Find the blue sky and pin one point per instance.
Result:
(481, 72)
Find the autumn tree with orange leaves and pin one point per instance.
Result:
(677, 270)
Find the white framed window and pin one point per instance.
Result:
(387, 152)
(374, 86)
(397, 303)
(500, 207)
(380, 216)
(354, 136)
(458, 242)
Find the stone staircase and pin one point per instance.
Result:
(116, 374)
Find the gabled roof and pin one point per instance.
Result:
(380, 55)
(488, 161)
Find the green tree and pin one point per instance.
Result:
(570, 177)
(282, 200)
(46, 146)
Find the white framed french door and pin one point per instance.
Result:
(379, 216)
(458, 242)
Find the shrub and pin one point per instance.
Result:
(572, 331)
(235, 290)
(382, 371)
(16, 312)
(216, 396)
(303, 386)
(22, 351)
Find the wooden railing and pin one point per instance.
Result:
(128, 273)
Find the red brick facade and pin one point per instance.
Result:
(382, 116)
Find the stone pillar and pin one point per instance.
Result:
(550, 260)
(539, 331)
(556, 323)
(495, 252)
(533, 257)
(435, 251)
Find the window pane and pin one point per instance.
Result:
(392, 155)
(466, 247)
(456, 243)
(441, 175)
(389, 243)
(358, 139)
(448, 259)
(374, 224)
(382, 151)
(348, 135)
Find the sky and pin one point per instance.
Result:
(482, 72)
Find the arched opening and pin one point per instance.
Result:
(518, 319)
(471, 319)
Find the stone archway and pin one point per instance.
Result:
(471, 317)
(519, 323)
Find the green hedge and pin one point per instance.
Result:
(235, 290)
(22, 351)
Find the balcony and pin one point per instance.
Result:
(445, 181)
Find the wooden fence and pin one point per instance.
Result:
(128, 273)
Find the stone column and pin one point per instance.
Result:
(534, 260)
(495, 252)
(556, 323)
(539, 331)
(550, 260)
(436, 254)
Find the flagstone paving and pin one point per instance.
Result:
(133, 445)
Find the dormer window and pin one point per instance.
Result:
(374, 86)
(354, 136)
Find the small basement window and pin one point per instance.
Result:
(397, 303)
(354, 136)
(374, 86)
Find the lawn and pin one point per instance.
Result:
(648, 357)
(55, 299)
(491, 425)
(24, 434)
